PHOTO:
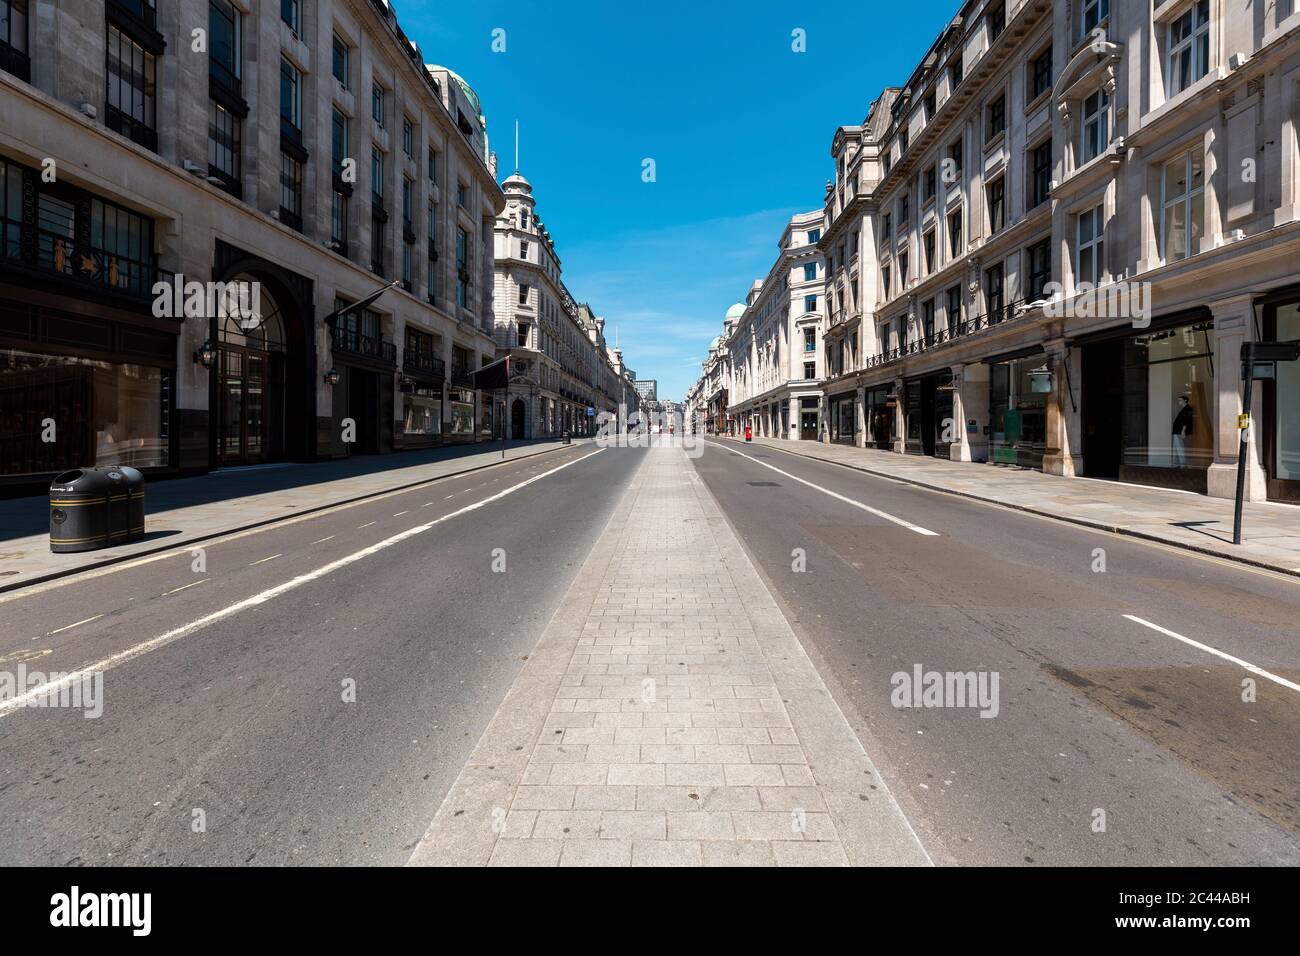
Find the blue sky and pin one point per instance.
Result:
(739, 127)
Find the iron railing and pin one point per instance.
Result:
(962, 329)
(352, 342)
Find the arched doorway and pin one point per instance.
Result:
(252, 347)
(517, 419)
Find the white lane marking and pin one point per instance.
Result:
(366, 525)
(1216, 652)
(452, 495)
(834, 494)
(13, 703)
(323, 540)
(427, 504)
(264, 560)
(183, 587)
(68, 627)
(400, 513)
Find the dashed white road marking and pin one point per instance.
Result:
(1216, 652)
(183, 587)
(19, 701)
(400, 513)
(68, 627)
(835, 494)
(366, 525)
(324, 539)
(264, 560)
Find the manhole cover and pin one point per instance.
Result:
(764, 484)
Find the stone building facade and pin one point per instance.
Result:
(302, 150)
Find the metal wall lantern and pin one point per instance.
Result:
(1040, 380)
(206, 354)
(332, 377)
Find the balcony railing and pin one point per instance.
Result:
(424, 362)
(962, 329)
(461, 376)
(41, 252)
(15, 61)
(375, 347)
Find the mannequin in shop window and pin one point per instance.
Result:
(1184, 421)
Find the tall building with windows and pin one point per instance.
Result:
(1071, 216)
(564, 371)
(775, 346)
(304, 151)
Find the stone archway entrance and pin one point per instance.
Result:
(518, 417)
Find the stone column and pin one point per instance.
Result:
(860, 417)
(959, 450)
(899, 444)
(1234, 324)
(1059, 457)
(973, 397)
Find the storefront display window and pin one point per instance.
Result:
(485, 420)
(422, 413)
(843, 419)
(1168, 395)
(462, 416)
(880, 418)
(59, 412)
(1017, 412)
(1286, 398)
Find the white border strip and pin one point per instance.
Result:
(1216, 652)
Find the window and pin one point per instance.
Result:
(952, 168)
(997, 193)
(954, 235)
(927, 248)
(523, 294)
(408, 256)
(408, 204)
(223, 144)
(993, 292)
(377, 104)
(1040, 174)
(462, 196)
(954, 74)
(340, 63)
(888, 160)
(291, 14)
(338, 140)
(433, 165)
(809, 271)
(1040, 74)
(1094, 11)
(928, 179)
(886, 226)
(1096, 125)
(810, 339)
(953, 310)
(905, 210)
(431, 277)
(904, 139)
(377, 174)
(1183, 203)
(814, 236)
(996, 18)
(523, 217)
(810, 303)
(130, 96)
(884, 280)
(377, 245)
(904, 270)
(1038, 262)
(408, 137)
(927, 321)
(223, 40)
(810, 369)
(290, 94)
(13, 32)
(929, 105)
(521, 336)
(339, 223)
(462, 268)
(996, 117)
(1189, 47)
(290, 191)
(1090, 258)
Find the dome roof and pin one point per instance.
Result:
(716, 343)
(468, 90)
(736, 311)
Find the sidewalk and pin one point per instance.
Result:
(668, 716)
(1271, 530)
(185, 510)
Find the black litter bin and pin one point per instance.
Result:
(568, 439)
(96, 507)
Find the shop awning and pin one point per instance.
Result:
(493, 376)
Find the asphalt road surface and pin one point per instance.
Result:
(1098, 713)
(228, 739)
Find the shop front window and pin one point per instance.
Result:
(105, 413)
(462, 416)
(1168, 396)
(1286, 400)
(422, 413)
(1018, 412)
